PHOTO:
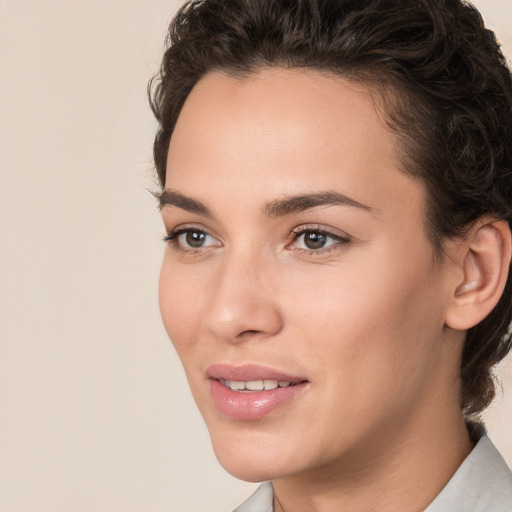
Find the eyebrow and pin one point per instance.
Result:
(173, 198)
(299, 203)
(275, 208)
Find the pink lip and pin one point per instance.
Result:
(248, 372)
(252, 405)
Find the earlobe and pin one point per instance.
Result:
(485, 263)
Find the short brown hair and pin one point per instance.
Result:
(450, 102)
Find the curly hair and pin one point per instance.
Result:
(446, 89)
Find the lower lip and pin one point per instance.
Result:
(252, 405)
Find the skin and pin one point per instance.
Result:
(363, 319)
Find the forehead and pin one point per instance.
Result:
(283, 131)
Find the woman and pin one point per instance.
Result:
(337, 193)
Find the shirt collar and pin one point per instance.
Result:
(482, 483)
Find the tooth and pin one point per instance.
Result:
(270, 384)
(254, 385)
(237, 385)
(283, 383)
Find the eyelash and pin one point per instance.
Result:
(173, 235)
(172, 239)
(341, 240)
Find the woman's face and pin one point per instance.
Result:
(298, 286)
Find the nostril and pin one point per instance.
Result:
(235, 317)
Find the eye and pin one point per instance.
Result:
(313, 240)
(191, 239)
(316, 240)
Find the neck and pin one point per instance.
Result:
(400, 470)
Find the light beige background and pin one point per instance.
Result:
(95, 413)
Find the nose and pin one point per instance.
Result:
(243, 303)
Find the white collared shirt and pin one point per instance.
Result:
(483, 483)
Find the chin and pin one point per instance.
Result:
(247, 473)
(252, 458)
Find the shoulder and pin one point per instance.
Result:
(482, 483)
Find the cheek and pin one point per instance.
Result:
(369, 320)
(364, 338)
(179, 299)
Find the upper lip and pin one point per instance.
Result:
(248, 372)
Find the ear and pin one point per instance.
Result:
(484, 259)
